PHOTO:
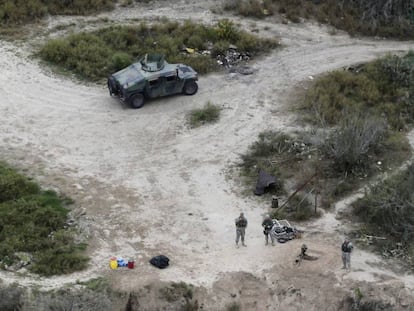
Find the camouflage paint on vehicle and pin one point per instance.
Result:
(152, 77)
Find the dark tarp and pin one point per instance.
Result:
(264, 181)
(160, 261)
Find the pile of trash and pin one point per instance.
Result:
(159, 261)
(282, 231)
(232, 58)
(117, 262)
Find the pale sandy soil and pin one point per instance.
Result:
(149, 185)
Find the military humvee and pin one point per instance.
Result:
(152, 77)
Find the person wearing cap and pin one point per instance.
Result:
(346, 254)
(241, 224)
(267, 225)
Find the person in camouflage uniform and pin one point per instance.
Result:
(241, 224)
(267, 225)
(346, 248)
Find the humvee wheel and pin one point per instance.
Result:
(137, 101)
(190, 88)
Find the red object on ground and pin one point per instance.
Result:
(131, 264)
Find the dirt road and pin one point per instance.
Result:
(148, 184)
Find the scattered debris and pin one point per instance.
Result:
(232, 58)
(283, 231)
(117, 262)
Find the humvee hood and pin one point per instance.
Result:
(129, 75)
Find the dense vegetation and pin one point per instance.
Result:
(281, 155)
(33, 221)
(96, 54)
(383, 88)
(390, 18)
(21, 11)
(364, 113)
(388, 211)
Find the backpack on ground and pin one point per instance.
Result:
(160, 261)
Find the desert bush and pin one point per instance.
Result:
(381, 88)
(10, 298)
(32, 220)
(342, 187)
(233, 307)
(69, 298)
(120, 60)
(99, 284)
(21, 11)
(332, 93)
(96, 54)
(255, 8)
(298, 208)
(368, 17)
(272, 151)
(388, 207)
(14, 186)
(209, 113)
(226, 30)
(350, 143)
(387, 210)
(176, 291)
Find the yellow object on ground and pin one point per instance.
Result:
(113, 264)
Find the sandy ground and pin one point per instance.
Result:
(149, 185)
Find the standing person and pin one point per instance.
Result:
(346, 254)
(241, 224)
(267, 225)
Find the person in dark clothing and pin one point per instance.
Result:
(241, 224)
(346, 248)
(267, 225)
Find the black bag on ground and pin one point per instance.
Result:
(160, 261)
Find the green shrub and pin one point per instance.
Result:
(298, 208)
(388, 206)
(226, 30)
(386, 211)
(380, 88)
(120, 60)
(343, 187)
(270, 150)
(96, 54)
(57, 50)
(33, 220)
(10, 298)
(61, 257)
(177, 291)
(351, 142)
(14, 186)
(209, 113)
(368, 17)
(20, 11)
(233, 307)
(99, 284)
